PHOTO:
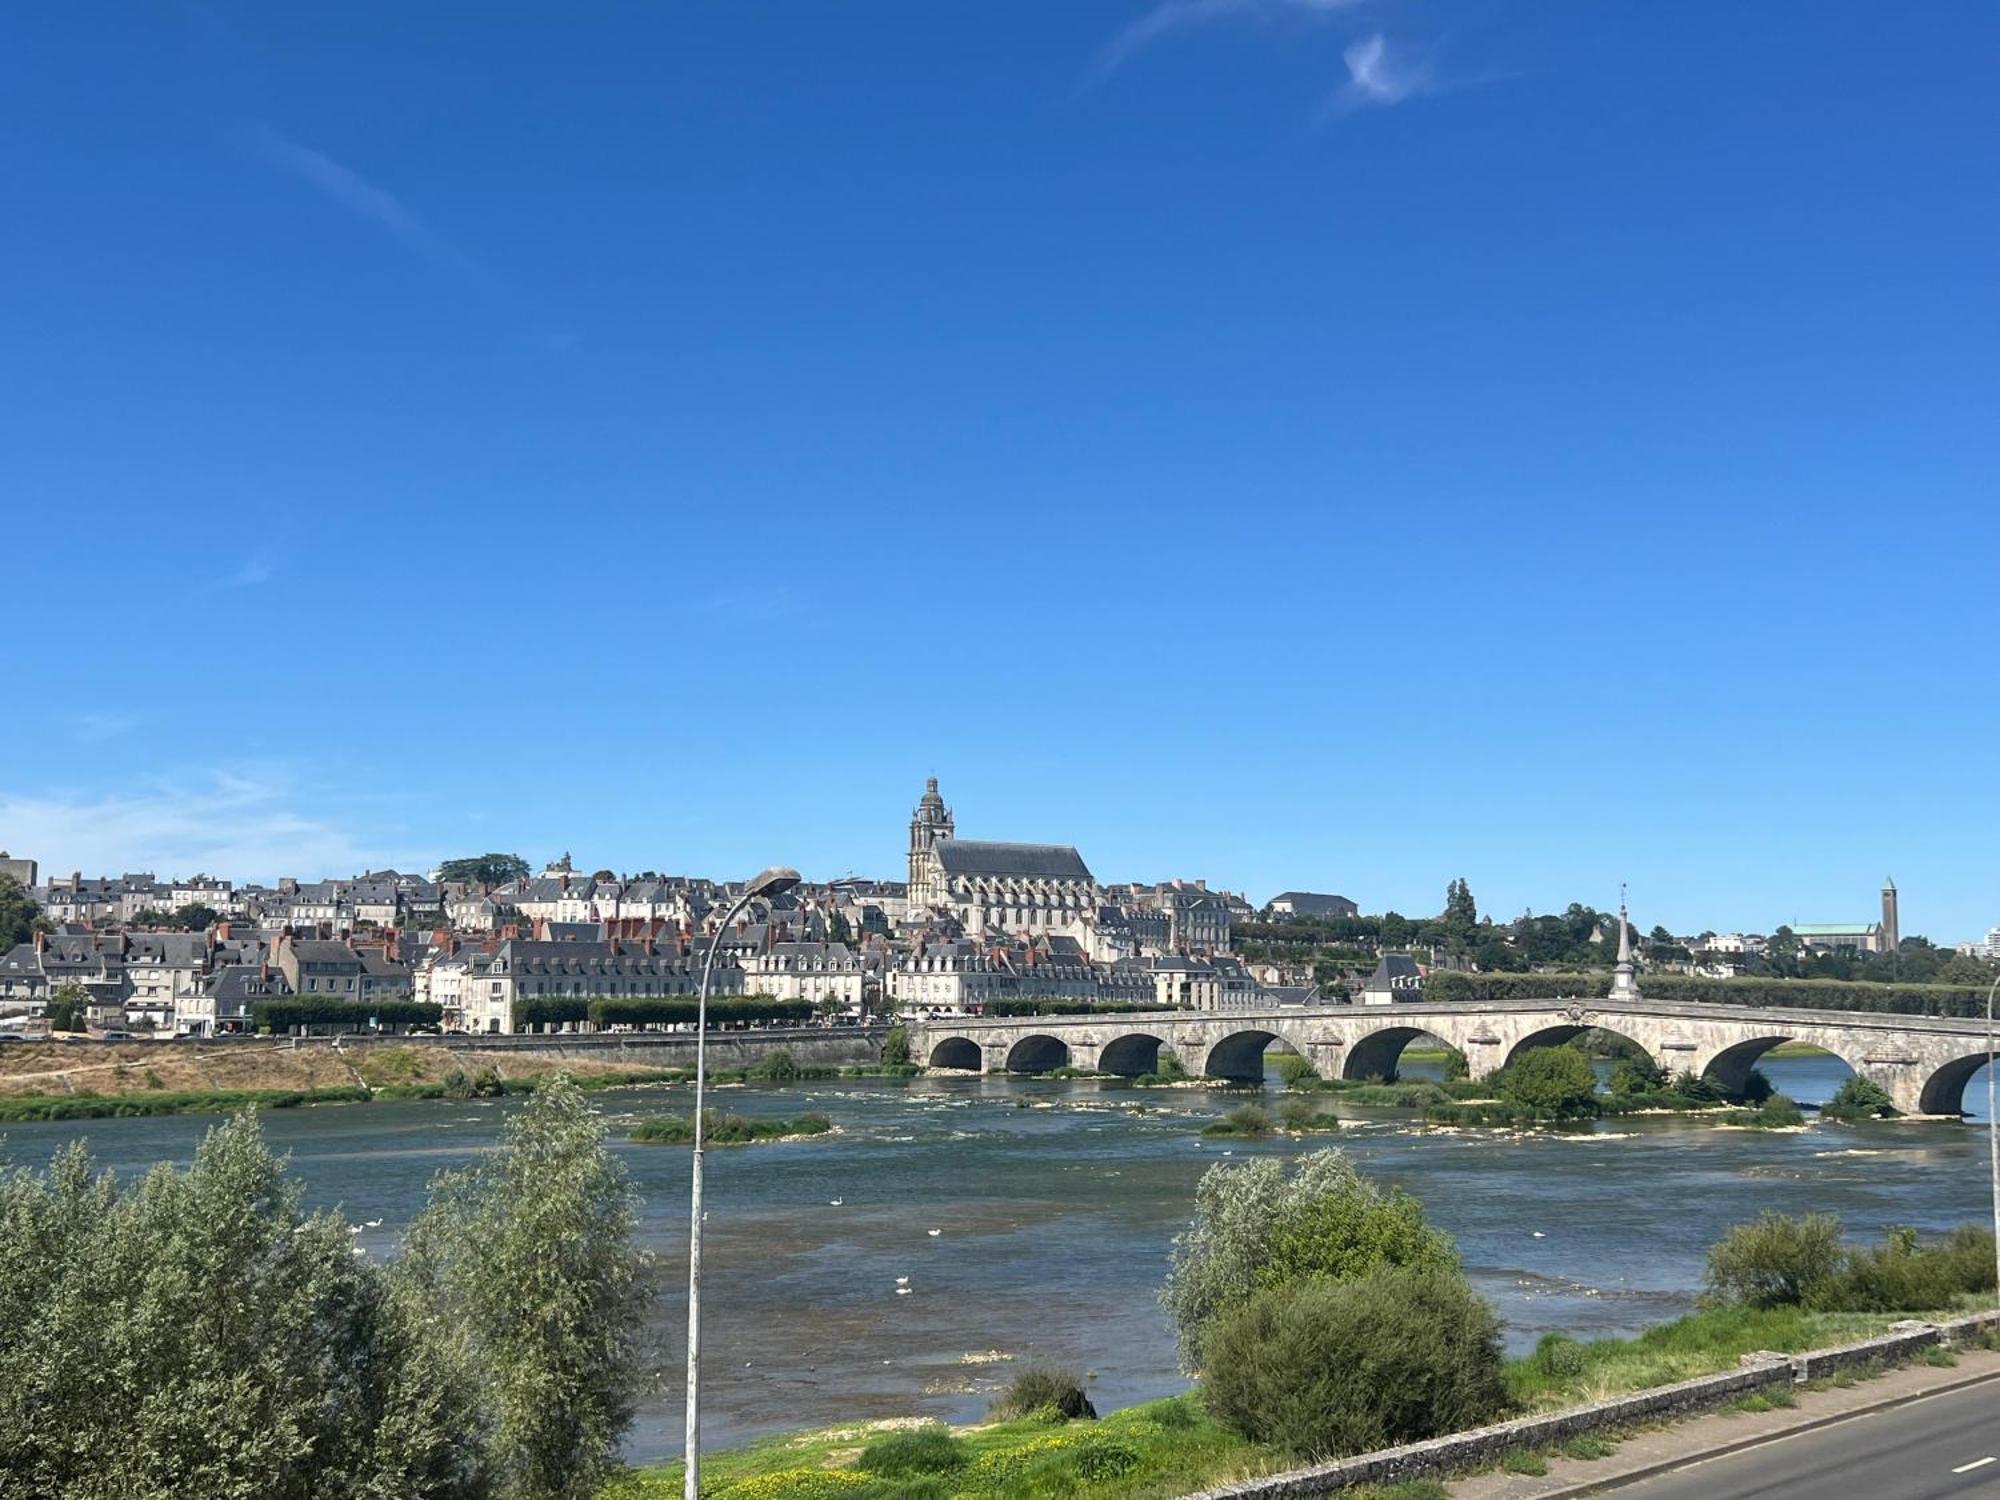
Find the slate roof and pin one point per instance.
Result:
(974, 857)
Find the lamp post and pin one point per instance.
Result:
(1993, 1126)
(771, 882)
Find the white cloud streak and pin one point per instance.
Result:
(351, 191)
(1377, 76)
(1170, 17)
(236, 825)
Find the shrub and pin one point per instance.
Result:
(1322, 1369)
(1456, 1068)
(1294, 1070)
(1902, 1275)
(1637, 1075)
(1256, 1228)
(1696, 1089)
(1775, 1260)
(1104, 1458)
(1860, 1099)
(1779, 1113)
(1168, 1068)
(1554, 1082)
(1558, 1356)
(918, 1450)
(1244, 1120)
(1043, 1388)
(896, 1048)
(1757, 1087)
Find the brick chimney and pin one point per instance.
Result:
(41, 941)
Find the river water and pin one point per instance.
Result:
(1054, 1203)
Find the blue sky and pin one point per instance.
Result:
(1342, 446)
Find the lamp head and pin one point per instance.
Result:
(774, 881)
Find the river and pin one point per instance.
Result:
(1054, 1203)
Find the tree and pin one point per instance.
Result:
(838, 930)
(1324, 1368)
(1461, 912)
(1776, 1260)
(1396, 930)
(896, 1048)
(20, 917)
(68, 1005)
(1256, 1228)
(198, 1334)
(484, 869)
(530, 1259)
(196, 917)
(1556, 1082)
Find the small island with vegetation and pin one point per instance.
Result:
(720, 1129)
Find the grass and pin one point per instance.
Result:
(187, 1102)
(1524, 1461)
(1148, 1452)
(1701, 1343)
(1588, 1447)
(727, 1130)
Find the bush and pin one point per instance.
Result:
(1554, 1082)
(1905, 1276)
(1105, 1458)
(1779, 1113)
(1168, 1068)
(1860, 1099)
(1244, 1120)
(1558, 1357)
(1696, 1089)
(1294, 1070)
(896, 1048)
(1637, 1075)
(1255, 1228)
(1776, 1260)
(919, 1450)
(1043, 1388)
(1323, 1369)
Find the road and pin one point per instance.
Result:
(1945, 1445)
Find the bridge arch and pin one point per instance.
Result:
(1731, 1065)
(1040, 1053)
(1240, 1055)
(1559, 1035)
(1378, 1054)
(1943, 1091)
(1132, 1054)
(957, 1052)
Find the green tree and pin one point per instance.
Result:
(484, 869)
(1461, 912)
(67, 1005)
(199, 1335)
(838, 930)
(196, 916)
(1552, 1081)
(20, 917)
(1323, 1369)
(529, 1259)
(1255, 1227)
(1776, 1260)
(896, 1048)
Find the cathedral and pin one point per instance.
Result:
(1041, 890)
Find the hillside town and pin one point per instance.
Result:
(481, 943)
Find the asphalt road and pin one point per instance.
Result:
(1946, 1445)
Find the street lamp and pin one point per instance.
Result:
(1993, 1127)
(771, 882)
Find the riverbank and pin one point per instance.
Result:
(1161, 1449)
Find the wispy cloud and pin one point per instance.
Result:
(95, 729)
(245, 825)
(1169, 17)
(254, 571)
(1380, 75)
(347, 188)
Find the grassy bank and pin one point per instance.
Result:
(1172, 1447)
(163, 1102)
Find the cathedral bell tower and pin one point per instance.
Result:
(929, 826)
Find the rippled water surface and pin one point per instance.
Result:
(1054, 1204)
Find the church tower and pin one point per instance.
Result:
(1624, 978)
(1892, 931)
(930, 825)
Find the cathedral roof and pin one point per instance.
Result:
(1037, 861)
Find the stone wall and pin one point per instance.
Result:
(823, 1046)
(1482, 1447)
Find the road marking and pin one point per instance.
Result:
(1977, 1463)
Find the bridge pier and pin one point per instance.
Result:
(995, 1054)
(1084, 1055)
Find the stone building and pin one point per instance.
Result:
(1033, 889)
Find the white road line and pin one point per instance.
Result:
(1977, 1463)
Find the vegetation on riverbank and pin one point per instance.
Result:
(721, 1129)
(23, 1107)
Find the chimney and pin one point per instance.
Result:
(264, 968)
(509, 931)
(220, 935)
(41, 941)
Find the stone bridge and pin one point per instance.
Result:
(1924, 1062)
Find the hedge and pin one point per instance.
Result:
(654, 1010)
(1059, 1008)
(355, 1015)
(1445, 985)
